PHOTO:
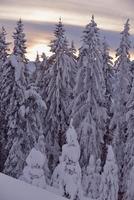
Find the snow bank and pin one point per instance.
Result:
(13, 189)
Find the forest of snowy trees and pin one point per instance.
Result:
(69, 124)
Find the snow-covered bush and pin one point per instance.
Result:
(33, 172)
(109, 184)
(69, 168)
(91, 178)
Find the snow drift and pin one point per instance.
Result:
(13, 189)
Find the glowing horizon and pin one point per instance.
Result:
(40, 17)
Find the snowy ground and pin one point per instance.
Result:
(12, 189)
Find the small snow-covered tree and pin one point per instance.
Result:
(89, 111)
(122, 89)
(92, 178)
(130, 185)
(73, 50)
(94, 189)
(109, 184)
(33, 172)
(37, 58)
(36, 74)
(70, 177)
(59, 94)
(41, 75)
(88, 175)
(19, 41)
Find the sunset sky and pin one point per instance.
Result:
(40, 16)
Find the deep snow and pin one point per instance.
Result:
(13, 189)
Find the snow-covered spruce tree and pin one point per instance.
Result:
(3, 46)
(109, 184)
(3, 56)
(36, 74)
(88, 175)
(41, 74)
(89, 111)
(33, 172)
(19, 41)
(12, 95)
(22, 107)
(120, 97)
(129, 148)
(25, 131)
(73, 50)
(60, 94)
(70, 171)
(13, 78)
(130, 185)
(109, 78)
(91, 178)
(44, 76)
(37, 58)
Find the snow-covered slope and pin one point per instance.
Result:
(13, 189)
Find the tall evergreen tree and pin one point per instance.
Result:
(3, 56)
(109, 184)
(12, 89)
(60, 94)
(89, 106)
(21, 108)
(109, 78)
(121, 92)
(129, 148)
(3, 46)
(44, 76)
(19, 41)
(25, 128)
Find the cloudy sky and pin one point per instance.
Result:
(40, 16)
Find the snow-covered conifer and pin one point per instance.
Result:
(37, 58)
(24, 126)
(33, 172)
(73, 50)
(88, 175)
(3, 46)
(130, 185)
(19, 41)
(121, 93)
(109, 78)
(89, 111)
(109, 184)
(70, 175)
(59, 94)
(129, 146)
(38, 71)
(3, 56)
(92, 178)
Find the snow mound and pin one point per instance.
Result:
(13, 189)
